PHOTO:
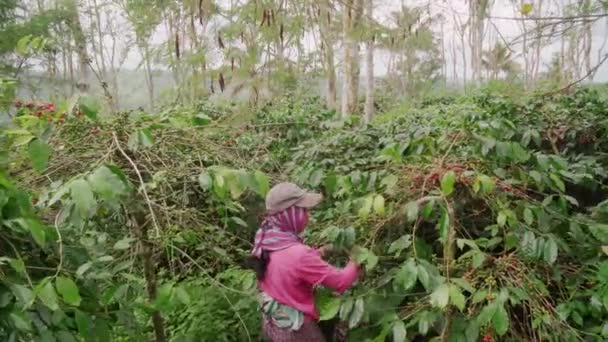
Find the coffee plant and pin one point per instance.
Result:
(476, 218)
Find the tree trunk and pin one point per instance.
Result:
(81, 46)
(356, 70)
(349, 47)
(444, 65)
(454, 62)
(328, 54)
(539, 35)
(477, 10)
(147, 258)
(524, 53)
(588, 39)
(369, 75)
(148, 71)
(562, 50)
(350, 91)
(100, 37)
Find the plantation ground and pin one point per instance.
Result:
(477, 218)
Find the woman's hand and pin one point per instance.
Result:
(326, 249)
(354, 255)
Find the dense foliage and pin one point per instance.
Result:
(480, 216)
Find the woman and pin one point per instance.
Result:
(288, 270)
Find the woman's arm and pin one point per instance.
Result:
(313, 270)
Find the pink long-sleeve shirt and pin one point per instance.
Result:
(292, 274)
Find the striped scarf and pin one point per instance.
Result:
(280, 230)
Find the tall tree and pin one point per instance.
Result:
(478, 11)
(328, 39)
(499, 60)
(144, 16)
(81, 45)
(369, 65)
(349, 92)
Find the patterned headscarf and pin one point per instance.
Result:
(280, 230)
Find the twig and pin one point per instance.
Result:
(27, 276)
(449, 149)
(217, 283)
(60, 242)
(141, 181)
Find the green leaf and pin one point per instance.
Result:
(141, 137)
(201, 119)
(484, 183)
(68, 290)
(478, 259)
(526, 8)
(46, 292)
(447, 183)
(528, 244)
(456, 297)
(66, 336)
(406, 276)
(219, 186)
(17, 265)
(20, 321)
(536, 176)
(163, 299)
(440, 297)
(366, 207)
(528, 216)
(39, 153)
(346, 308)
(357, 314)
(399, 331)
(83, 268)
(425, 320)
(84, 323)
(328, 307)
(400, 244)
(239, 221)
(479, 296)
(89, 106)
(379, 205)
(22, 293)
(428, 209)
(183, 295)
(558, 182)
(599, 231)
(371, 260)
(262, 183)
(487, 313)
(83, 198)
(145, 137)
(500, 320)
(123, 244)
(106, 183)
(36, 229)
(23, 44)
(389, 183)
(502, 219)
(424, 277)
(22, 139)
(550, 251)
(412, 211)
(205, 181)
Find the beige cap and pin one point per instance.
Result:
(286, 195)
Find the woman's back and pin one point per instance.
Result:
(292, 274)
